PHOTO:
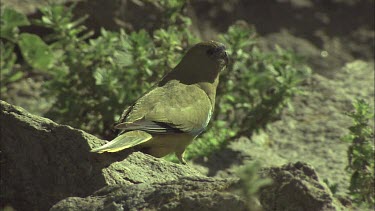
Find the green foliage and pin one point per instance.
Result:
(361, 154)
(333, 187)
(96, 77)
(253, 90)
(67, 32)
(10, 73)
(171, 10)
(211, 141)
(257, 85)
(250, 183)
(10, 21)
(40, 57)
(93, 79)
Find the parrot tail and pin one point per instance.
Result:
(124, 141)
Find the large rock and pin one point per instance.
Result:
(297, 187)
(183, 194)
(43, 162)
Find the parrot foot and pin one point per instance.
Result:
(180, 157)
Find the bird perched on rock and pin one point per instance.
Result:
(167, 118)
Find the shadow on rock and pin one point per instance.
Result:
(43, 162)
(221, 160)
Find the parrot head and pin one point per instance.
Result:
(202, 63)
(211, 51)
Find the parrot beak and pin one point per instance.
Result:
(222, 54)
(226, 58)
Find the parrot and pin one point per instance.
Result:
(167, 118)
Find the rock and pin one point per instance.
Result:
(43, 162)
(183, 194)
(226, 161)
(296, 187)
(323, 60)
(312, 131)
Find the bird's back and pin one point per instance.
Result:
(184, 107)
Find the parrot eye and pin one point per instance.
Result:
(210, 51)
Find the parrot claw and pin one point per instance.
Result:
(180, 157)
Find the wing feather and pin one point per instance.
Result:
(175, 106)
(124, 141)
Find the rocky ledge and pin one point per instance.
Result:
(45, 165)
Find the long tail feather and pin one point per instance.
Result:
(124, 141)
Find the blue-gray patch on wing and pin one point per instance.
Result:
(196, 131)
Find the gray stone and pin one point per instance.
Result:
(296, 187)
(43, 162)
(182, 194)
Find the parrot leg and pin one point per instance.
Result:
(180, 156)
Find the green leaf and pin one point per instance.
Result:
(10, 20)
(14, 18)
(123, 59)
(15, 77)
(99, 75)
(35, 51)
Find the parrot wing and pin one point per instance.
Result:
(148, 126)
(174, 107)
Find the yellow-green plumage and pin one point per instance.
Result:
(124, 141)
(170, 116)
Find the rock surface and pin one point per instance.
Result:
(296, 187)
(183, 194)
(43, 162)
(310, 133)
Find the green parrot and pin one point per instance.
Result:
(168, 118)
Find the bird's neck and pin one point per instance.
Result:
(192, 72)
(210, 89)
(183, 73)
